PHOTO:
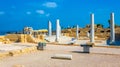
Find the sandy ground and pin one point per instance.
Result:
(98, 58)
(15, 46)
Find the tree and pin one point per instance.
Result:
(100, 25)
(88, 26)
(109, 23)
(62, 28)
(116, 26)
(74, 26)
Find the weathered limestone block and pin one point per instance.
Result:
(62, 56)
(12, 37)
(28, 50)
(31, 49)
(32, 39)
(4, 54)
(15, 53)
(2, 38)
(22, 38)
(16, 37)
(25, 50)
(41, 37)
(6, 41)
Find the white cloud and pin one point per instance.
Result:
(2, 12)
(28, 12)
(50, 4)
(43, 13)
(40, 11)
(47, 15)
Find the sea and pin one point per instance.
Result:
(5, 32)
(2, 33)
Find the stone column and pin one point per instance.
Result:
(49, 28)
(112, 26)
(77, 32)
(57, 30)
(92, 29)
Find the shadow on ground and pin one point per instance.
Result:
(117, 40)
(80, 52)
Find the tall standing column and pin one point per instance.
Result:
(77, 30)
(57, 30)
(49, 28)
(92, 29)
(112, 33)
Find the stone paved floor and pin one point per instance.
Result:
(100, 57)
(15, 46)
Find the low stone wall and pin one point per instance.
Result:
(40, 37)
(23, 38)
(18, 52)
(4, 54)
(4, 40)
(1, 38)
(12, 37)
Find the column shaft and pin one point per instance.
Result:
(57, 30)
(92, 29)
(112, 33)
(49, 28)
(77, 32)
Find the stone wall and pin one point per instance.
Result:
(12, 37)
(1, 38)
(24, 38)
(4, 40)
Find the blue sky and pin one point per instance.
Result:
(15, 14)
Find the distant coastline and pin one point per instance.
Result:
(5, 32)
(2, 33)
(9, 32)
